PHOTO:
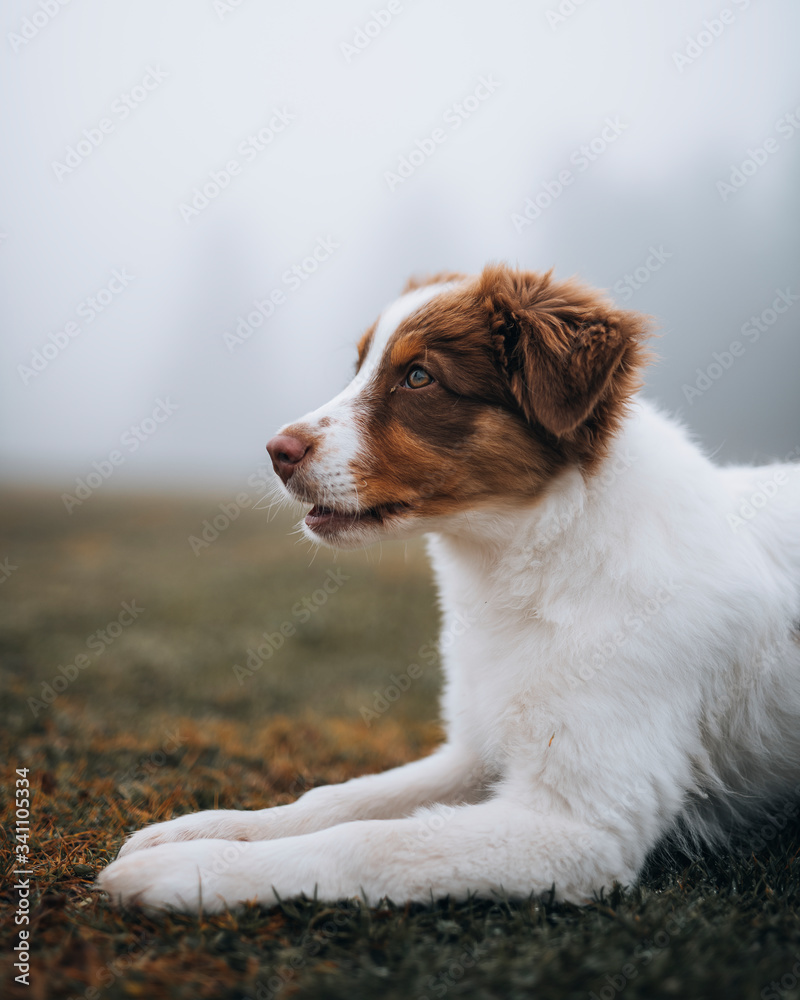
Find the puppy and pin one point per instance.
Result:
(624, 654)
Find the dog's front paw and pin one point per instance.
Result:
(213, 824)
(211, 875)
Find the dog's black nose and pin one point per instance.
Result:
(287, 452)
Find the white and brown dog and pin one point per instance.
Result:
(627, 659)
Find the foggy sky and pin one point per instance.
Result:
(162, 97)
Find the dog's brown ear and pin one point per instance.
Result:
(566, 352)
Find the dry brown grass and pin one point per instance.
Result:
(158, 724)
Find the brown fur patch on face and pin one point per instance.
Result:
(531, 375)
(405, 350)
(458, 441)
(439, 461)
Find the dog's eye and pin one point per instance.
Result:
(417, 378)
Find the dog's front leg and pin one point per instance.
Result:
(496, 846)
(451, 775)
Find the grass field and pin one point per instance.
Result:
(120, 695)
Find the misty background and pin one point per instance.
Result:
(674, 122)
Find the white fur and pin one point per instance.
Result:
(623, 663)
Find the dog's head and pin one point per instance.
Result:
(468, 393)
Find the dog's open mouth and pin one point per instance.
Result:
(321, 518)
